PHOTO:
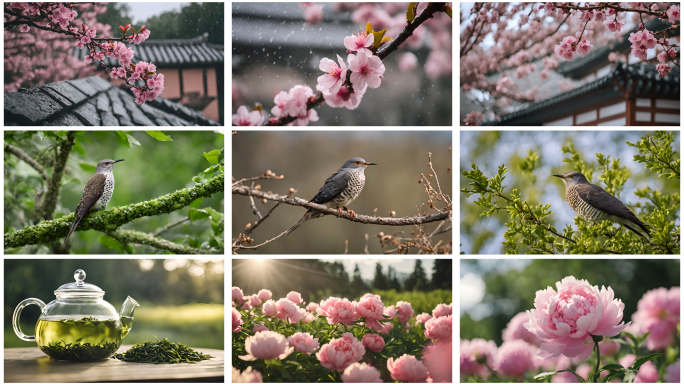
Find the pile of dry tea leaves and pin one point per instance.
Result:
(161, 352)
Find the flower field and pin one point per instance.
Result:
(369, 340)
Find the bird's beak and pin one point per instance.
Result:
(561, 176)
(116, 161)
(369, 164)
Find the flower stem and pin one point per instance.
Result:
(596, 339)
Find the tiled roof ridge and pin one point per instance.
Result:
(191, 41)
(93, 101)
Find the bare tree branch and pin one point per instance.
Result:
(165, 228)
(27, 159)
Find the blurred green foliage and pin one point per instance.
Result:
(178, 297)
(152, 168)
(514, 291)
(420, 301)
(516, 205)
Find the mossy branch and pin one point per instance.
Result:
(55, 182)
(111, 219)
(137, 237)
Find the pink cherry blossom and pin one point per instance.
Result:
(422, 318)
(615, 26)
(237, 294)
(474, 354)
(441, 310)
(295, 105)
(663, 69)
(246, 376)
(303, 119)
(473, 118)
(371, 309)
(407, 62)
(642, 41)
(341, 353)
(303, 342)
(88, 59)
(673, 14)
(503, 83)
(279, 100)
(246, 118)
(335, 77)
(437, 360)
(264, 294)
(338, 311)
(141, 36)
(237, 322)
(599, 16)
(405, 311)
(583, 48)
(269, 308)
(24, 28)
(259, 328)
(658, 313)
(672, 373)
(313, 13)
(515, 358)
(359, 42)
(366, 71)
(438, 328)
(373, 342)
(565, 48)
(515, 330)
(565, 319)
(648, 373)
(266, 345)
(99, 55)
(407, 368)
(361, 373)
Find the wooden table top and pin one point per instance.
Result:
(32, 365)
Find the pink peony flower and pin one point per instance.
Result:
(441, 310)
(294, 297)
(565, 48)
(515, 330)
(303, 342)
(339, 311)
(438, 328)
(269, 308)
(386, 328)
(24, 28)
(246, 305)
(663, 70)
(641, 42)
(658, 313)
(245, 118)
(672, 373)
(514, 358)
(407, 368)
(247, 376)
(609, 348)
(615, 26)
(437, 360)
(286, 309)
(266, 345)
(309, 317)
(341, 353)
(237, 322)
(259, 328)
(390, 311)
(648, 373)
(335, 77)
(311, 306)
(237, 294)
(264, 294)
(361, 373)
(366, 71)
(372, 310)
(373, 342)
(405, 311)
(359, 42)
(254, 301)
(407, 62)
(474, 354)
(564, 320)
(673, 14)
(422, 318)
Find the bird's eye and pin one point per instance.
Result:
(357, 162)
(571, 176)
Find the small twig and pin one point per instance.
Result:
(236, 247)
(27, 159)
(165, 228)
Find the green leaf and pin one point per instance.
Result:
(644, 360)
(79, 148)
(195, 214)
(544, 375)
(411, 12)
(196, 203)
(611, 367)
(448, 11)
(122, 138)
(612, 374)
(212, 156)
(216, 216)
(111, 243)
(159, 135)
(377, 35)
(87, 167)
(132, 140)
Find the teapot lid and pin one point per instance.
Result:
(79, 288)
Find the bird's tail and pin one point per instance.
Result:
(310, 214)
(640, 230)
(73, 227)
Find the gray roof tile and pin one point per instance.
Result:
(67, 119)
(84, 86)
(68, 91)
(88, 112)
(30, 107)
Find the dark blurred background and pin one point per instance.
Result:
(150, 170)
(180, 299)
(424, 283)
(493, 291)
(307, 159)
(274, 49)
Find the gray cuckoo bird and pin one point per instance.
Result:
(339, 190)
(594, 204)
(97, 192)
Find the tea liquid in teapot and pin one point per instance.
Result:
(85, 339)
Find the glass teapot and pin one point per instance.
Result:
(79, 325)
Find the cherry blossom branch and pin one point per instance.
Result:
(617, 8)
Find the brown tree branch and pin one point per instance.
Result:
(52, 195)
(27, 159)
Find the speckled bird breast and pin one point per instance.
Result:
(354, 188)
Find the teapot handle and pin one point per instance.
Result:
(17, 313)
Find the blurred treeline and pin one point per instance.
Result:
(317, 280)
(150, 170)
(514, 291)
(308, 158)
(491, 149)
(194, 19)
(181, 299)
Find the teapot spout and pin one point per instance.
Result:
(128, 307)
